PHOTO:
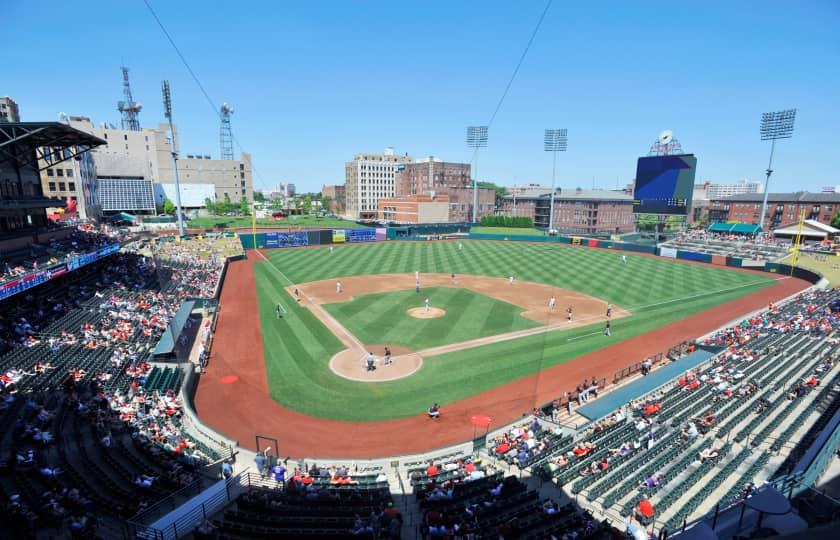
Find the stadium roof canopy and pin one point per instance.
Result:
(27, 143)
(734, 228)
(810, 228)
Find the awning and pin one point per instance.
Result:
(166, 344)
(734, 228)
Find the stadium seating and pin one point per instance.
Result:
(777, 370)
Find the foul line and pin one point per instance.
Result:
(325, 316)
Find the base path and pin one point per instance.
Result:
(244, 409)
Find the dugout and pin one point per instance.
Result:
(175, 342)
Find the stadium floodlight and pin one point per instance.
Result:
(167, 111)
(774, 126)
(555, 141)
(476, 138)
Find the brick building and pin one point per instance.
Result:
(577, 211)
(337, 195)
(432, 175)
(414, 209)
(782, 208)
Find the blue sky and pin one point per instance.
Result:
(314, 82)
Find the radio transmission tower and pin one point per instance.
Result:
(225, 136)
(129, 108)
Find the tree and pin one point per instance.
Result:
(326, 203)
(169, 207)
(835, 221)
(224, 206)
(243, 206)
(307, 204)
(259, 197)
(210, 205)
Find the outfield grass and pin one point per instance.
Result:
(509, 231)
(381, 318)
(312, 222)
(298, 347)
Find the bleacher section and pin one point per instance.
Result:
(773, 380)
(90, 431)
(741, 249)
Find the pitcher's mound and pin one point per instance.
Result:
(423, 313)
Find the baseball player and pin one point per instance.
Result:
(338, 286)
(569, 314)
(609, 310)
(510, 280)
(551, 303)
(452, 277)
(427, 304)
(624, 258)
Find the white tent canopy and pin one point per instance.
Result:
(810, 229)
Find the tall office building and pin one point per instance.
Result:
(9, 111)
(136, 172)
(368, 178)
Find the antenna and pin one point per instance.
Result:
(225, 135)
(129, 108)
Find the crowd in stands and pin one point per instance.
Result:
(772, 365)
(82, 239)
(754, 247)
(91, 432)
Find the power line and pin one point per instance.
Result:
(198, 82)
(519, 64)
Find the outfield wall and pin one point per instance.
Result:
(311, 237)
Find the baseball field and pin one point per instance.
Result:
(460, 355)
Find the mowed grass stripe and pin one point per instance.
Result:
(299, 347)
(382, 317)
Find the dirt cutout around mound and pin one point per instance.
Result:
(535, 298)
(426, 312)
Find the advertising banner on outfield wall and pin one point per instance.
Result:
(668, 252)
(338, 237)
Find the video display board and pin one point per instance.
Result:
(664, 184)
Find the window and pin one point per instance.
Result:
(51, 186)
(242, 175)
(50, 172)
(125, 136)
(69, 173)
(62, 186)
(106, 135)
(59, 172)
(71, 186)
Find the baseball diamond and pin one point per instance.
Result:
(283, 363)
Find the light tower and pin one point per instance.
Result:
(555, 141)
(476, 138)
(167, 108)
(129, 108)
(225, 135)
(774, 125)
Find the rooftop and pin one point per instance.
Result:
(798, 196)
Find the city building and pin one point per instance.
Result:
(28, 148)
(337, 195)
(721, 191)
(782, 208)
(435, 177)
(576, 211)
(137, 165)
(368, 178)
(9, 111)
(418, 208)
(521, 201)
(75, 182)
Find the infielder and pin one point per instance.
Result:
(510, 280)
(427, 304)
(551, 303)
(569, 314)
(609, 310)
(338, 286)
